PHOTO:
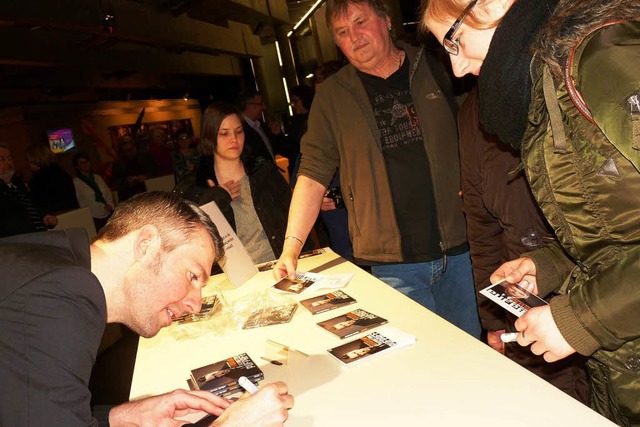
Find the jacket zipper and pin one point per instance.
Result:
(444, 258)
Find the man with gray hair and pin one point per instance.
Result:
(387, 120)
(145, 268)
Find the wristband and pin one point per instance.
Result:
(294, 237)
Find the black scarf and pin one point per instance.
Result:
(504, 81)
(91, 182)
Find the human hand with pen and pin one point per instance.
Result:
(267, 407)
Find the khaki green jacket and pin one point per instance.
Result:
(343, 133)
(581, 155)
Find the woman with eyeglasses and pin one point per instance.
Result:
(250, 191)
(559, 81)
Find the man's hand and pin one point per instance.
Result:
(162, 410)
(233, 188)
(269, 407)
(288, 261)
(50, 220)
(521, 271)
(327, 204)
(538, 328)
(494, 340)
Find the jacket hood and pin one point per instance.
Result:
(575, 19)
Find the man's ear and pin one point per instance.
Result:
(147, 242)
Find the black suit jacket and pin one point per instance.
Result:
(52, 316)
(254, 143)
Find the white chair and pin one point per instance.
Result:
(161, 183)
(77, 218)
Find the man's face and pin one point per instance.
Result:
(7, 168)
(158, 291)
(255, 107)
(363, 36)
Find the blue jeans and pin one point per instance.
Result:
(449, 292)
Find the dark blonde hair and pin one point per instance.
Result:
(211, 121)
(175, 218)
(449, 10)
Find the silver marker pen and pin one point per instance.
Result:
(247, 385)
(509, 336)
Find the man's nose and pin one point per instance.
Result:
(193, 301)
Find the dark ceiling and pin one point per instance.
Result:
(87, 50)
(69, 51)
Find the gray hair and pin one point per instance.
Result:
(336, 8)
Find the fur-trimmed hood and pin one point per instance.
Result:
(572, 20)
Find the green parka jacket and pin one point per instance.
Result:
(581, 154)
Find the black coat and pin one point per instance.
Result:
(254, 144)
(270, 193)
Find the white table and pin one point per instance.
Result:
(447, 378)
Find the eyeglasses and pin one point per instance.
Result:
(450, 44)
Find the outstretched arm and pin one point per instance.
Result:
(305, 206)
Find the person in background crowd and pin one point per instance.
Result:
(257, 138)
(92, 191)
(51, 186)
(146, 267)
(545, 71)
(159, 150)
(301, 98)
(250, 191)
(19, 213)
(131, 169)
(388, 121)
(185, 156)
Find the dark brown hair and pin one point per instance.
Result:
(175, 218)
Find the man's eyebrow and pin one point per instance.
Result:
(204, 275)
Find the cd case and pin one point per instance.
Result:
(512, 297)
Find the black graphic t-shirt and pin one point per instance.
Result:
(407, 164)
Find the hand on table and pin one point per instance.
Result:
(162, 410)
(269, 407)
(538, 329)
(288, 261)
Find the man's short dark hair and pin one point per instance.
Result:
(245, 97)
(175, 218)
(338, 7)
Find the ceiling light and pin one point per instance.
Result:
(313, 8)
